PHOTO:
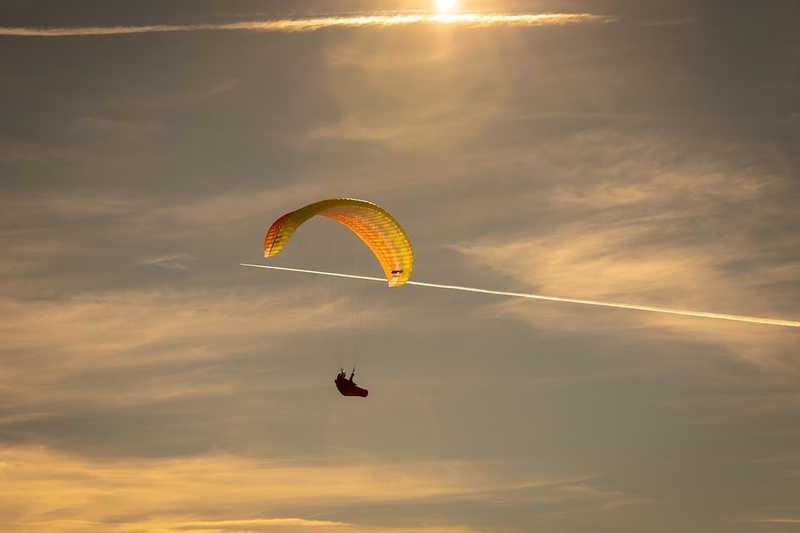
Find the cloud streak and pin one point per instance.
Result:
(616, 305)
(47, 490)
(471, 20)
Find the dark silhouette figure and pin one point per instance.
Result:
(348, 387)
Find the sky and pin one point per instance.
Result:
(642, 152)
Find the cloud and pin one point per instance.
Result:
(472, 20)
(48, 491)
(19, 151)
(232, 206)
(614, 264)
(635, 220)
(43, 207)
(257, 524)
(49, 343)
(169, 262)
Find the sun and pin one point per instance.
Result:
(445, 6)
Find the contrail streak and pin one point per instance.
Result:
(665, 310)
(472, 20)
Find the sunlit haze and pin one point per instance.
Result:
(446, 6)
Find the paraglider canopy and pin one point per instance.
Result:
(371, 223)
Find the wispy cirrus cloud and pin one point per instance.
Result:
(623, 264)
(662, 229)
(178, 261)
(471, 20)
(150, 329)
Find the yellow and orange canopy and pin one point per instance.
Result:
(371, 223)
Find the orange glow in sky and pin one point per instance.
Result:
(445, 6)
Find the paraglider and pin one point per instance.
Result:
(376, 228)
(348, 387)
(390, 245)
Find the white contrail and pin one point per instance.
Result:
(665, 310)
(471, 20)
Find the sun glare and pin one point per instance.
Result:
(445, 6)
